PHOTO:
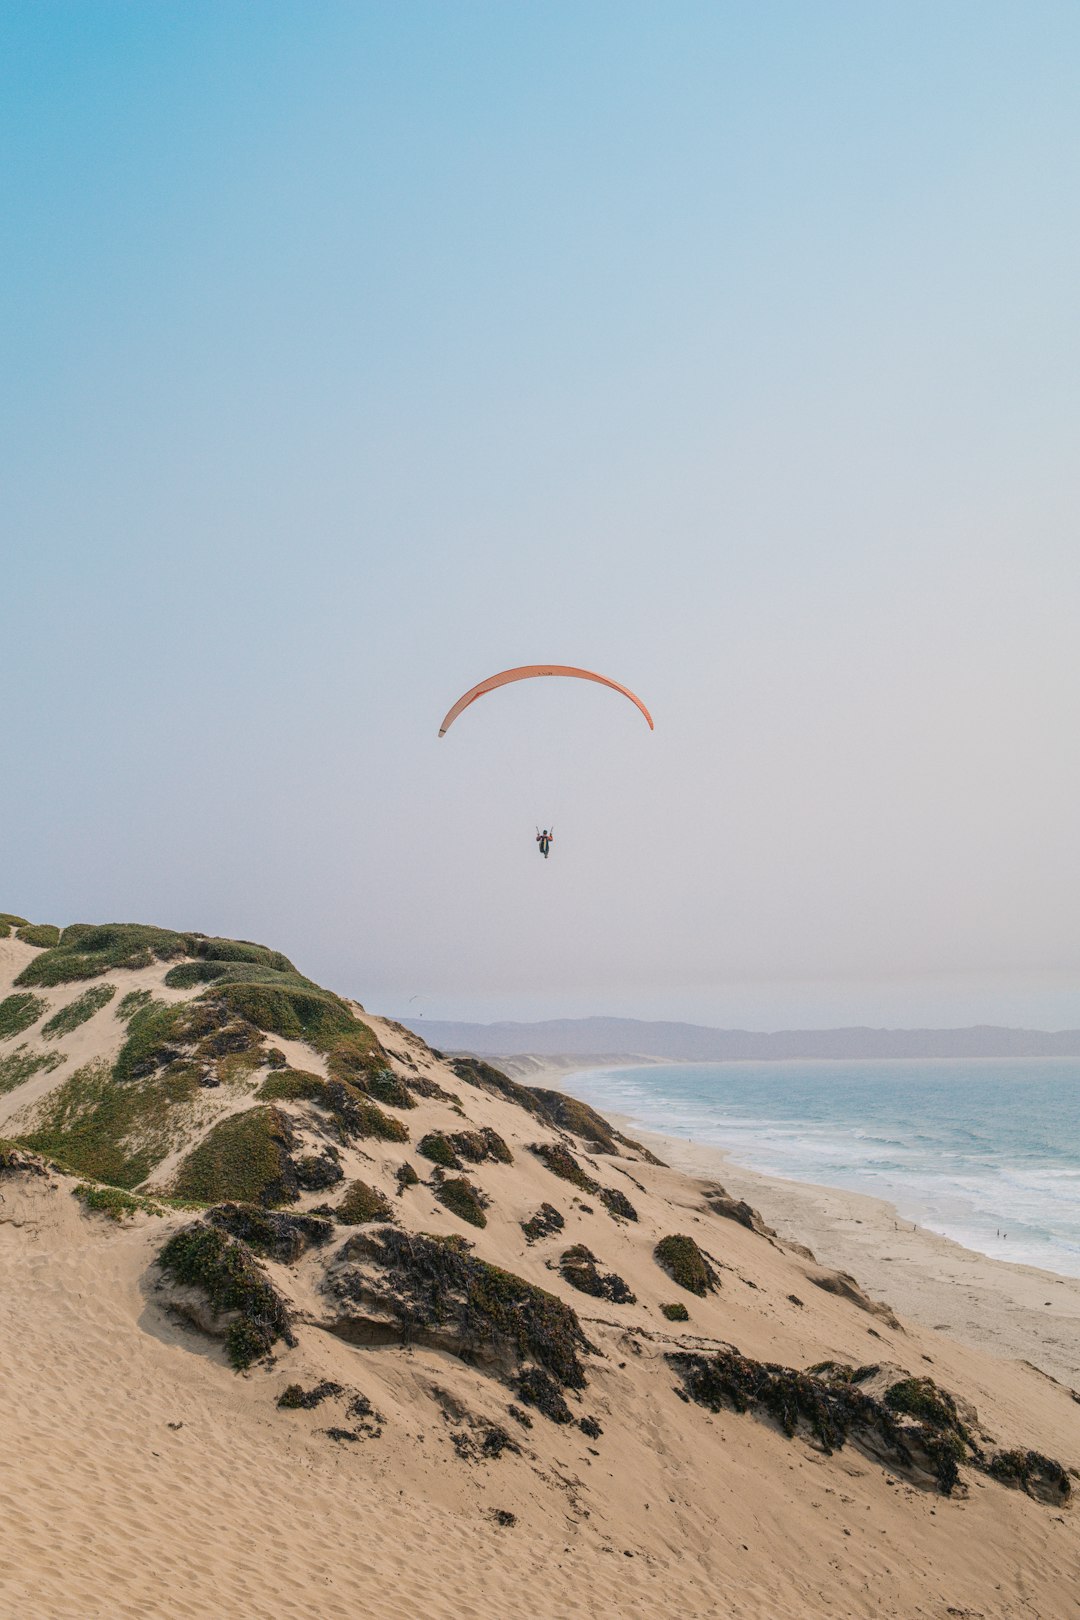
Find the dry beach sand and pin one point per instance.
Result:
(1015, 1311)
(144, 1477)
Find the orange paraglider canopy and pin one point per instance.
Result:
(526, 673)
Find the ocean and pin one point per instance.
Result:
(986, 1151)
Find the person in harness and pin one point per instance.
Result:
(545, 839)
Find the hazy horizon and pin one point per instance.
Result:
(355, 352)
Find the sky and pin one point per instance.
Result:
(352, 352)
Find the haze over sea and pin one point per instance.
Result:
(972, 1149)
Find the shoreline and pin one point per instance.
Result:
(1015, 1311)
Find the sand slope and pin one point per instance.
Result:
(144, 1477)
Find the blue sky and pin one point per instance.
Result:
(352, 352)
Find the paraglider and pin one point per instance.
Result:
(526, 673)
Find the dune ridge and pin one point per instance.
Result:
(301, 1316)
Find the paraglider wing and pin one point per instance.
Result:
(526, 673)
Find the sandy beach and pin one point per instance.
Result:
(567, 1380)
(1015, 1311)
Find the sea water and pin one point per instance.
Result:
(986, 1151)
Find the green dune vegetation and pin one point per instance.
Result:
(78, 1011)
(18, 1012)
(686, 1265)
(229, 1097)
(206, 1258)
(38, 934)
(244, 1157)
(118, 1120)
(363, 1203)
(19, 1066)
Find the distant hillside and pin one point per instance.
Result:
(697, 1043)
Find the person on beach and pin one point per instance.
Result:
(545, 840)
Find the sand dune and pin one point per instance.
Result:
(145, 1477)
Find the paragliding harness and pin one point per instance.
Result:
(545, 839)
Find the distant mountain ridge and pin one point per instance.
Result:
(698, 1043)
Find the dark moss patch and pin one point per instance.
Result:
(504, 1518)
(361, 1408)
(436, 1147)
(203, 1257)
(245, 1158)
(589, 1426)
(922, 1398)
(788, 1396)
(316, 1172)
(481, 1145)
(537, 1388)
(440, 1293)
(842, 1372)
(275, 1233)
(363, 1203)
(577, 1117)
(114, 1133)
(77, 1012)
(685, 1264)
(578, 1267)
(554, 1107)
(490, 1079)
(544, 1223)
(561, 1162)
(1041, 1477)
(616, 1203)
(496, 1440)
(385, 1087)
(405, 1176)
(921, 1433)
(295, 1398)
(463, 1199)
(18, 1012)
(474, 1146)
(675, 1312)
(357, 1117)
(158, 1035)
(40, 934)
(354, 1114)
(234, 1037)
(425, 1086)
